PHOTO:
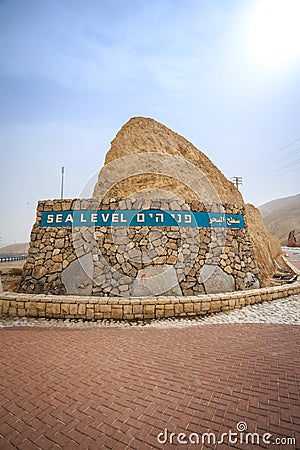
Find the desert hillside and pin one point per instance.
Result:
(14, 249)
(281, 216)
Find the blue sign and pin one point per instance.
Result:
(135, 218)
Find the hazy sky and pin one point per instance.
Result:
(223, 73)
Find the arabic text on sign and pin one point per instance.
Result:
(149, 217)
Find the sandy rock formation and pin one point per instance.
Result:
(148, 159)
(292, 240)
(266, 246)
(146, 155)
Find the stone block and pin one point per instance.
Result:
(188, 307)
(250, 282)
(128, 316)
(40, 306)
(113, 301)
(98, 316)
(248, 300)
(39, 272)
(127, 309)
(160, 312)
(81, 310)
(215, 280)
(57, 258)
(49, 310)
(137, 309)
(124, 289)
(65, 308)
(205, 306)
(215, 306)
(12, 311)
(231, 303)
(105, 308)
(32, 312)
(59, 243)
(56, 308)
(73, 309)
(90, 313)
(30, 305)
(172, 259)
(242, 302)
(138, 316)
(178, 308)
(117, 312)
(197, 308)
(149, 310)
(56, 267)
(169, 310)
(78, 276)
(156, 280)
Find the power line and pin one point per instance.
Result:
(278, 166)
(278, 172)
(266, 161)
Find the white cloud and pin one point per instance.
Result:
(94, 47)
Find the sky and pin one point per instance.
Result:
(222, 73)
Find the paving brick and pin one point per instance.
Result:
(119, 387)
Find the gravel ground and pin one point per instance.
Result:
(282, 311)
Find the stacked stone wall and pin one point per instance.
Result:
(138, 260)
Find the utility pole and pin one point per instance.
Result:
(62, 183)
(238, 181)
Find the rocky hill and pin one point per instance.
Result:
(15, 249)
(281, 216)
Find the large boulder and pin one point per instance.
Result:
(147, 156)
(148, 159)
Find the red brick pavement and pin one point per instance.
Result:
(117, 388)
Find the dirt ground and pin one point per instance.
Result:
(5, 267)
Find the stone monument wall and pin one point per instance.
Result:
(138, 260)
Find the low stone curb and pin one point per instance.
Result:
(122, 308)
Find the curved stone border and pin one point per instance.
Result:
(120, 308)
